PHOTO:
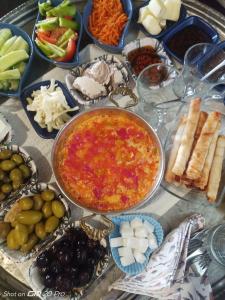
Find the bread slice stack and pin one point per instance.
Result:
(197, 153)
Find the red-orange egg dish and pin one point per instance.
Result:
(107, 162)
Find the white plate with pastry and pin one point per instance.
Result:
(195, 154)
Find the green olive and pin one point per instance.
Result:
(29, 217)
(5, 154)
(4, 229)
(40, 230)
(2, 174)
(21, 234)
(17, 158)
(6, 188)
(12, 241)
(30, 228)
(2, 196)
(16, 175)
(38, 202)
(48, 195)
(32, 241)
(7, 165)
(14, 223)
(47, 209)
(58, 209)
(51, 224)
(16, 184)
(25, 170)
(26, 203)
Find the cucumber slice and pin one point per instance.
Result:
(12, 58)
(5, 34)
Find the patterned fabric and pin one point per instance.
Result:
(166, 276)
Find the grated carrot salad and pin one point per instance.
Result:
(107, 21)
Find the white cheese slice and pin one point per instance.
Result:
(143, 13)
(125, 251)
(151, 24)
(172, 10)
(157, 8)
(4, 130)
(127, 260)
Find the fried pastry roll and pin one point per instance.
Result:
(202, 181)
(173, 153)
(187, 138)
(216, 170)
(198, 157)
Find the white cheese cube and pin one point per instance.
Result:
(126, 232)
(130, 242)
(125, 225)
(150, 228)
(151, 24)
(172, 10)
(157, 8)
(125, 251)
(127, 260)
(152, 242)
(143, 12)
(116, 242)
(139, 257)
(136, 222)
(141, 232)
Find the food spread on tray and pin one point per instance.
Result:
(50, 106)
(182, 40)
(95, 80)
(107, 21)
(31, 219)
(136, 237)
(108, 162)
(70, 262)
(197, 154)
(154, 15)
(57, 32)
(14, 52)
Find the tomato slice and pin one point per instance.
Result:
(58, 32)
(68, 17)
(70, 51)
(45, 38)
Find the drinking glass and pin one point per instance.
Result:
(204, 69)
(155, 86)
(216, 243)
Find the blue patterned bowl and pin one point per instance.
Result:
(64, 65)
(19, 32)
(128, 9)
(134, 268)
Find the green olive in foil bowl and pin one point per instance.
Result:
(31, 221)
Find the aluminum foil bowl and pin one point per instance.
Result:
(62, 135)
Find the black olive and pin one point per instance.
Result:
(56, 267)
(43, 260)
(49, 281)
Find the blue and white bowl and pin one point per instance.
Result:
(134, 268)
(128, 9)
(65, 65)
(19, 32)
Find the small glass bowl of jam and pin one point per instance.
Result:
(141, 53)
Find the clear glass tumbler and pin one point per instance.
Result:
(155, 86)
(204, 69)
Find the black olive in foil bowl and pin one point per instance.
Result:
(70, 264)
